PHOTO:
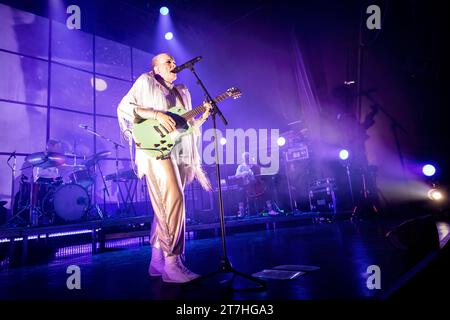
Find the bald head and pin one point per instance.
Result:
(160, 58)
(163, 64)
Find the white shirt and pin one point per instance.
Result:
(149, 93)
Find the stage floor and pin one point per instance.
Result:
(343, 250)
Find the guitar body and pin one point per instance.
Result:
(151, 137)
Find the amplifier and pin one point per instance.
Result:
(297, 153)
(322, 183)
(322, 199)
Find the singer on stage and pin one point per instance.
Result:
(151, 95)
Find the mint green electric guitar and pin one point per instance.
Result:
(151, 137)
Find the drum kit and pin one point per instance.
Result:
(47, 199)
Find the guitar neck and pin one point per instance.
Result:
(201, 108)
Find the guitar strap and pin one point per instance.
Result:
(177, 93)
(174, 89)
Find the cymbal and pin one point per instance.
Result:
(96, 157)
(46, 159)
(80, 166)
(73, 155)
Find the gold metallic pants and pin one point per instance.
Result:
(165, 182)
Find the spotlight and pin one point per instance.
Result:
(435, 195)
(343, 154)
(168, 36)
(429, 170)
(223, 141)
(281, 141)
(164, 11)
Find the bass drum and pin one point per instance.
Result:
(70, 202)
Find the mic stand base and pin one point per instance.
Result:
(364, 209)
(225, 267)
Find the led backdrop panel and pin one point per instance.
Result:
(23, 128)
(72, 89)
(23, 79)
(20, 29)
(111, 94)
(112, 58)
(65, 128)
(142, 62)
(72, 47)
(109, 127)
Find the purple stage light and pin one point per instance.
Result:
(281, 141)
(168, 36)
(223, 141)
(428, 170)
(164, 11)
(435, 194)
(343, 154)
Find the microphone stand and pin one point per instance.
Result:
(292, 202)
(13, 178)
(116, 147)
(225, 266)
(395, 126)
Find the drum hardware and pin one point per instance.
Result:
(47, 200)
(92, 160)
(12, 202)
(41, 160)
(74, 156)
(46, 159)
(82, 176)
(102, 155)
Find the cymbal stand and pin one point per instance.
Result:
(105, 190)
(292, 202)
(13, 180)
(116, 147)
(35, 212)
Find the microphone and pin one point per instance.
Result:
(83, 126)
(188, 64)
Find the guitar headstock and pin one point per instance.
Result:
(234, 93)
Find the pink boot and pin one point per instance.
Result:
(156, 267)
(176, 272)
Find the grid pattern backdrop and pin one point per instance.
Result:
(54, 79)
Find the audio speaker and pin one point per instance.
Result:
(419, 235)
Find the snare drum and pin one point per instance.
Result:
(69, 202)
